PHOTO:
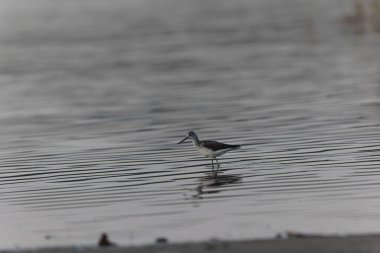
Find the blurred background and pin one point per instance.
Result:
(95, 94)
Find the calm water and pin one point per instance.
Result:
(95, 96)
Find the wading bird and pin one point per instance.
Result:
(210, 149)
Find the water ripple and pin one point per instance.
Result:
(92, 111)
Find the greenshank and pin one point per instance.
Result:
(210, 149)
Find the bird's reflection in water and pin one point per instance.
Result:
(210, 184)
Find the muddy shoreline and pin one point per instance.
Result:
(346, 244)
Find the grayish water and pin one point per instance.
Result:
(95, 95)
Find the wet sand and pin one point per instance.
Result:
(347, 244)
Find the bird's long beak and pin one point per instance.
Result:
(184, 139)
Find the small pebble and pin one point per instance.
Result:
(104, 242)
(161, 240)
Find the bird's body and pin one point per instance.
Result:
(210, 149)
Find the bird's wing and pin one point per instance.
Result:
(214, 145)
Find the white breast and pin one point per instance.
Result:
(209, 153)
(204, 151)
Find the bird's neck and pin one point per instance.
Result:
(195, 140)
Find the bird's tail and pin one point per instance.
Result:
(236, 146)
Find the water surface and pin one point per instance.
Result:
(95, 97)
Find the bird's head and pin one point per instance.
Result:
(192, 135)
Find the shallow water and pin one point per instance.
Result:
(95, 97)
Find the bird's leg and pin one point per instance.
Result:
(217, 168)
(217, 162)
(214, 172)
